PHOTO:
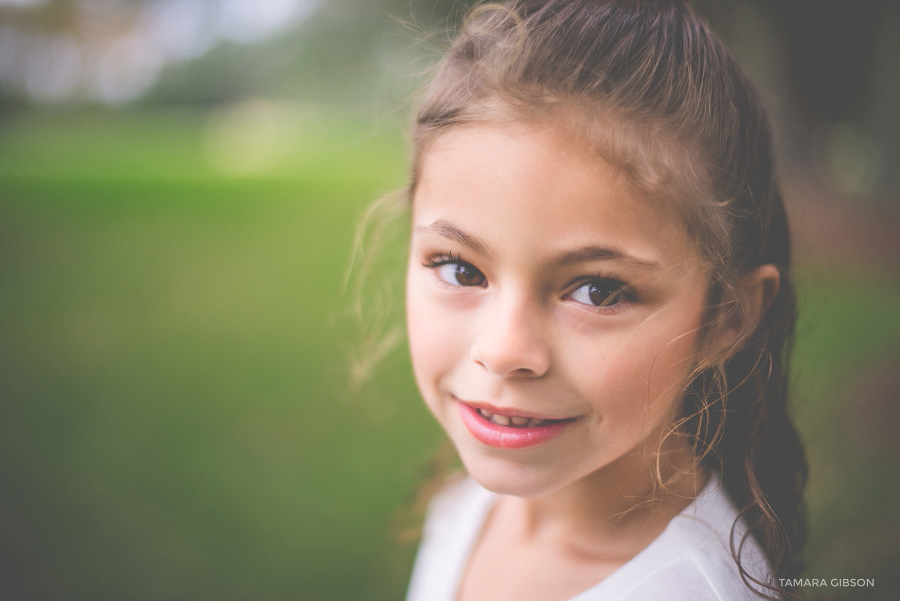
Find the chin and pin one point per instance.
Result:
(509, 477)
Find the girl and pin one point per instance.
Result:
(599, 306)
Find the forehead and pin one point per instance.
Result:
(530, 188)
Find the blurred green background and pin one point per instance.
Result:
(175, 415)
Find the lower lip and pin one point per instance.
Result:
(507, 437)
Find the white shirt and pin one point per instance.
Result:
(690, 561)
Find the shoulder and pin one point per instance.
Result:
(453, 520)
(687, 578)
(710, 531)
(692, 559)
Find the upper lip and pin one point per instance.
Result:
(509, 412)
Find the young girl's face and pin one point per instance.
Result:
(552, 311)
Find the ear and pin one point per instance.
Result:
(758, 291)
(762, 288)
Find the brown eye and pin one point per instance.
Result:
(461, 274)
(601, 293)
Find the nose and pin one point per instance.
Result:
(512, 340)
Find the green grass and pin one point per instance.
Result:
(175, 419)
(175, 422)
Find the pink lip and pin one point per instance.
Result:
(507, 437)
(508, 412)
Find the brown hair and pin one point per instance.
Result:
(660, 97)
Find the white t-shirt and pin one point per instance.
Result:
(690, 561)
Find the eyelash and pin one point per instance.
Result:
(442, 259)
(629, 297)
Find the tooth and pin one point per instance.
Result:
(485, 413)
(519, 421)
(534, 422)
(501, 420)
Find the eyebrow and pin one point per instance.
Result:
(605, 253)
(444, 228)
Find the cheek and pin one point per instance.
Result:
(420, 329)
(431, 338)
(667, 371)
(642, 378)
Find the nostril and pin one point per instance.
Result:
(511, 342)
(521, 365)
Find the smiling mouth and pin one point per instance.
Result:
(518, 421)
(507, 428)
(511, 417)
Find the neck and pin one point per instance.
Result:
(618, 509)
